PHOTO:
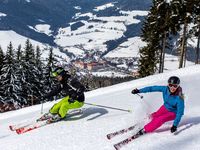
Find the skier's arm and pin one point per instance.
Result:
(152, 89)
(79, 88)
(180, 111)
(54, 92)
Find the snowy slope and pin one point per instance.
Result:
(88, 132)
(93, 35)
(10, 36)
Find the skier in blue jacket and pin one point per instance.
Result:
(172, 109)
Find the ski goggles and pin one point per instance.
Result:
(173, 85)
(55, 74)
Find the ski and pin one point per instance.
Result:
(31, 127)
(126, 141)
(111, 135)
(20, 128)
(15, 127)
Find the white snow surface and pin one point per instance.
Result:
(129, 48)
(103, 7)
(11, 36)
(93, 35)
(88, 132)
(6, 36)
(2, 14)
(42, 28)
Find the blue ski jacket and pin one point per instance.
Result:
(173, 102)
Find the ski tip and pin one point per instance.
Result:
(19, 131)
(116, 147)
(11, 128)
(108, 137)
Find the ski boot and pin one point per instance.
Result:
(46, 116)
(54, 118)
(141, 132)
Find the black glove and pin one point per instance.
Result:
(135, 91)
(173, 129)
(72, 98)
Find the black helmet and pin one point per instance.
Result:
(174, 80)
(58, 71)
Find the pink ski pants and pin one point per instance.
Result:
(159, 117)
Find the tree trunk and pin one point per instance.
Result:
(197, 49)
(164, 46)
(160, 64)
(162, 54)
(182, 55)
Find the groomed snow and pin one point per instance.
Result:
(88, 132)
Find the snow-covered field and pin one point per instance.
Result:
(2, 15)
(88, 131)
(93, 35)
(11, 36)
(42, 28)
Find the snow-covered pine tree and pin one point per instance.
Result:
(39, 67)
(31, 83)
(1, 59)
(20, 76)
(9, 78)
(1, 66)
(48, 81)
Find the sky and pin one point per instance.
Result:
(88, 131)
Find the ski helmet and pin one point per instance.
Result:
(174, 80)
(58, 71)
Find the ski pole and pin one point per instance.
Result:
(42, 108)
(108, 107)
(140, 96)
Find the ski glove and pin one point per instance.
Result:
(135, 91)
(173, 129)
(72, 98)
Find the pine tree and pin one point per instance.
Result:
(47, 70)
(165, 20)
(184, 9)
(149, 55)
(1, 59)
(31, 83)
(196, 29)
(19, 53)
(20, 76)
(1, 66)
(9, 78)
(39, 66)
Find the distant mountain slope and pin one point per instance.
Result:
(23, 14)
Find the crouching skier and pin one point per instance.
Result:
(73, 92)
(172, 109)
